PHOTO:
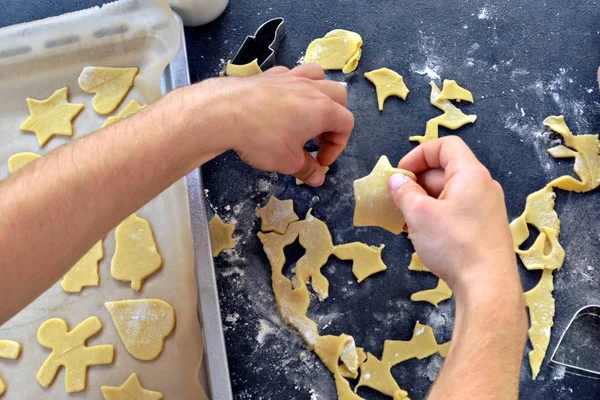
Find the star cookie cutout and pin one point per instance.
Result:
(276, 215)
(131, 389)
(52, 116)
(221, 235)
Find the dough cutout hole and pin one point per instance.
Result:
(293, 253)
(529, 278)
(533, 235)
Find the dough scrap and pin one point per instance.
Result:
(374, 204)
(69, 350)
(434, 296)
(387, 83)
(276, 215)
(136, 256)
(130, 390)
(8, 349)
(21, 160)
(110, 86)
(416, 264)
(85, 272)
(452, 118)
(52, 116)
(338, 49)
(541, 306)
(452, 91)
(131, 108)
(252, 68)
(221, 235)
(143, 325)
(585, 150)
(325, 170)
(366, 260)
(376, 374)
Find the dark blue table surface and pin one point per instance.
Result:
(522, 60)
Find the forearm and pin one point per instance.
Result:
(53, 211)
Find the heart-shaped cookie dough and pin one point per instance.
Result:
(110, 85)
(143, 325)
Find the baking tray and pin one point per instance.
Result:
(177, 75)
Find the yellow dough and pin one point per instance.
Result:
(131, 108)
(143, 325)
(21, 160)
(585, 150)
(85, 272)
(451, 91)
(276, 215)
(131, 390)
(366, 260)
(387, 83)
(52, 116)
(416, 264)
(434, 296)
(8, 349)
(136, 256)
(377, 375)
(453, 118)
(252, 68)
(221, 235)
(299, 182)
(374, 205)
(69, 350)
(540, 302)
(110, 85)
(338, 49)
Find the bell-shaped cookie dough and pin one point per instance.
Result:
(85, 272)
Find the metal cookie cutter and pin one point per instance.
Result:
(263, 45)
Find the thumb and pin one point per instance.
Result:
(408, 195)
(311, 171)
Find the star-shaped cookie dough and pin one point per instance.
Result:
(221, 235)
(130, 390)
(276, 215)
(52, 116)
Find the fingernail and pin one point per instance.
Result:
(316, 179)
(396, 181)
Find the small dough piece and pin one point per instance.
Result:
(374, 205)
(434, 296)
(131, 108)
(136, 256)
(584, 148)
(69, 350)
(540, 302)
(221, 235)
(338, 49)
(387, 83)
(299, 182)
(8, 349)
(453, 118)
(277, 215)
(545, 253)
(143, 325)
(110, 85)
(85, 272)
(131, 390)
(52, 116)
(252, 68)
(416, 264)
(20, 160)
(451, 91)
(366, 260)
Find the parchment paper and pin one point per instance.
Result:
(35, 60)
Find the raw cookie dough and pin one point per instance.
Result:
(276, 215)
(540, 303)
(110, 85)
(374, 205)
(338, 49)
(136, 256)
(69, 350)
(131, 108)
(387, 83)
(221, 235)
(451, 91)
(8, 349)
(585, 150)
(366, 260)
(20, 160)
(143, 325)
(252, 68)
(85, 272)
(453, 118)
(434, 296)
(299, 182)
(377, 375)
(131, 390)
(52, 116)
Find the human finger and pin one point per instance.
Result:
(280, 69)
(311, 71)
(334, 90)
(337, 130)
(410, 198)
(311, 171)
(432, 181)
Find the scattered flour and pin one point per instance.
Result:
(264, 330)
(560, 372)
(485, 12)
